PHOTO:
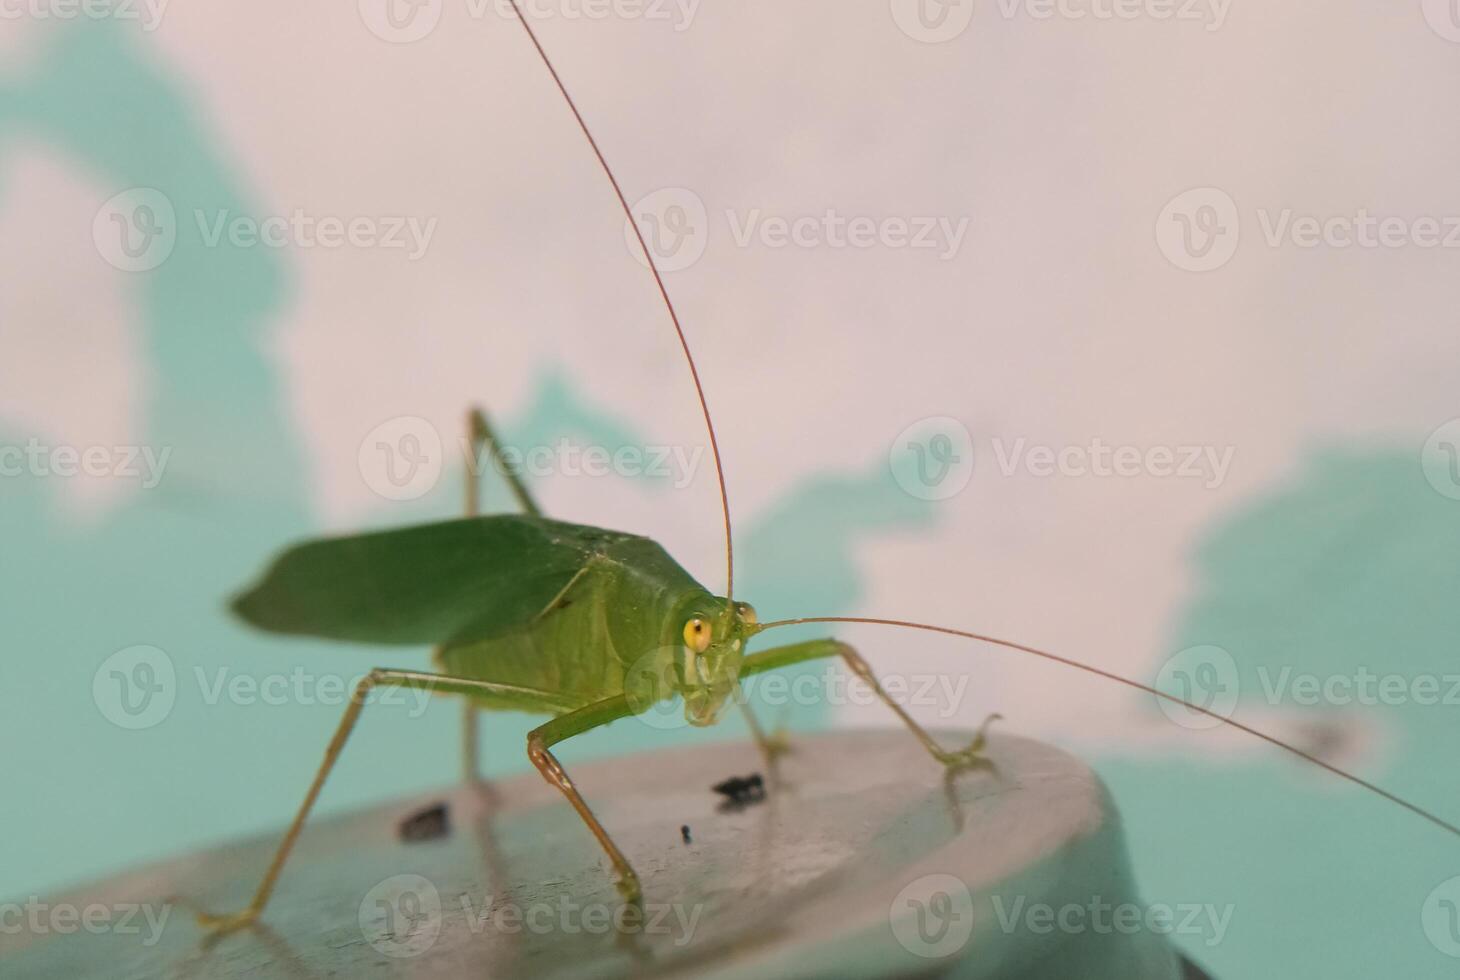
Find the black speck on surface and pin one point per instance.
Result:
(432, 823)
(740, 791)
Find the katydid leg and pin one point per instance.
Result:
(433, 683)
(539, 744)
(480, 434)
(471, 766)
(772, 746)
(795, 653)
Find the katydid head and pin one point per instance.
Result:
(707, 672)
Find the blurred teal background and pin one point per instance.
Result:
(1350, 561)
(157, 571)
(1350, 567)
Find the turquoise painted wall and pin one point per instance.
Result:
(1352, 565)
(86, 797)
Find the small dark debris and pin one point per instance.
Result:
(740, 791)
(684, 833)
(432, 823)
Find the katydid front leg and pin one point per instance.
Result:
(539, 743)
(771, 746)
(796, 653)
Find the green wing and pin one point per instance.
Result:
(451, 582)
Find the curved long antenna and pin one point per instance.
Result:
(1417, 810)
(663, 292)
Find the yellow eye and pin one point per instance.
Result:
(697, 635)
(747, 613)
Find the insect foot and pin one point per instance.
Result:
(221, 925)
(777, 744)
(628, 887)
(973, 754)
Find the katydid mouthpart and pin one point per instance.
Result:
(580, 623)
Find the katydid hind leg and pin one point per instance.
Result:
(481, 435)
(471, 763)
(795, 653)
(380, 677)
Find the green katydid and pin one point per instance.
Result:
(583, 624)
